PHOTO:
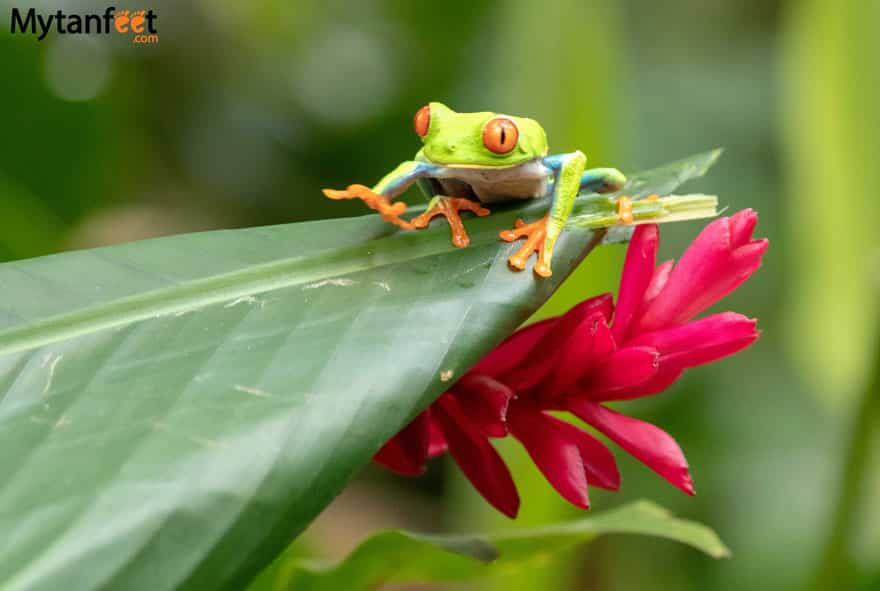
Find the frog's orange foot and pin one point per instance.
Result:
(625, 210)
(390, 212)
(449, 207)
(534, 233)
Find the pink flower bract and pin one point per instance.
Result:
(597, 352)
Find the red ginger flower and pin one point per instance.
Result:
(594, 353)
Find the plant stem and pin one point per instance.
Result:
(599, 212)
(836, 568)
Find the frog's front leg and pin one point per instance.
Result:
(392, 184)
(541, 236)
(570, 179)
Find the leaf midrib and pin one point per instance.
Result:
(250, 281)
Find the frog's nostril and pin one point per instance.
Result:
(451, 147)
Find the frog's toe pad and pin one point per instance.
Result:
(534, 233)
(517, 262)
(542, 270)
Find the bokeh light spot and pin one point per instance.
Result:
(345, 76)
(77, 68)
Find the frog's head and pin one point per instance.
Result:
(478, 140)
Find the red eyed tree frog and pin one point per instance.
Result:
(472, 159)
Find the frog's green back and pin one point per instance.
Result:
(456, 139)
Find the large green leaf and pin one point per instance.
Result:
(174, 411)
(402, 557)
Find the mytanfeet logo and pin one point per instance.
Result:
(139, 24)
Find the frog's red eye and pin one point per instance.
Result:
(422, 120)
(500, 135)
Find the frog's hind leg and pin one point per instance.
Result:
(449, 207)
(609, 180)
(602, 180)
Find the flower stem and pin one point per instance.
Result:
(599, 211)
(836, 567)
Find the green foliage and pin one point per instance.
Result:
(173, 411)
(402, 557)
(831, 116)
(49, 171)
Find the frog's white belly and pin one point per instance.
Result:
(491, 185)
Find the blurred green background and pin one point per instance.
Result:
(244, 110)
